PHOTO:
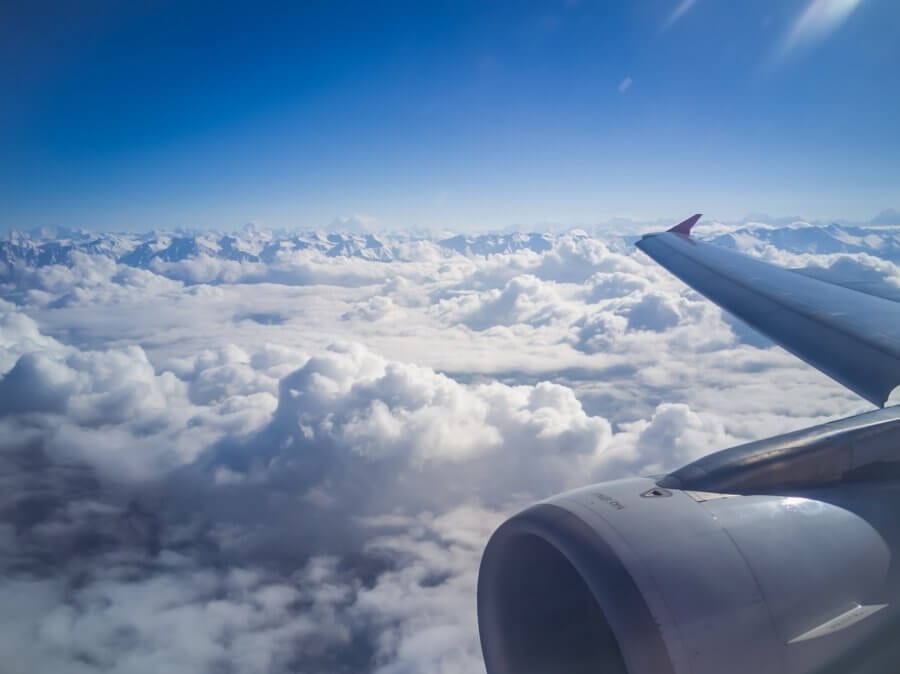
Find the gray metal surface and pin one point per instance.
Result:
(851, 336)
(865, 447)
(800, 583)
(698, 587)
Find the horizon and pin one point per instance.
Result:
(887, 218)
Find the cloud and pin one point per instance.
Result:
(357, 223)
(819, 20)
(213, 464)
(887, 217)
(353, 436)
(625, 85)
(523, 299)
(680, 10)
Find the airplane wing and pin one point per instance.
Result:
(852, 336)
(773, 556)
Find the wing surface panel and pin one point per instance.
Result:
(851, 336)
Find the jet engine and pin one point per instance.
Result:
(775, 557)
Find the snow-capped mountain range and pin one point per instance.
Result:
(44, 247)
(56, 246)
(831, 239)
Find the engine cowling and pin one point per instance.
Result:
(632, 578)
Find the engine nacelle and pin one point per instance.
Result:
(632, 578)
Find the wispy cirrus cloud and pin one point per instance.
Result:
(680, 10)
(819, 20)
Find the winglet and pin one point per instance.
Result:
(686, 226)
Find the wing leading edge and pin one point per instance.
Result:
(851, 336)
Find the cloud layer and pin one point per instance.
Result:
(213, 462)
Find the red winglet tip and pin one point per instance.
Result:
(686, 226)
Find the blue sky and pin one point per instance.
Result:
(446, 114)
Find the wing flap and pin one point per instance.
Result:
(851, 336)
